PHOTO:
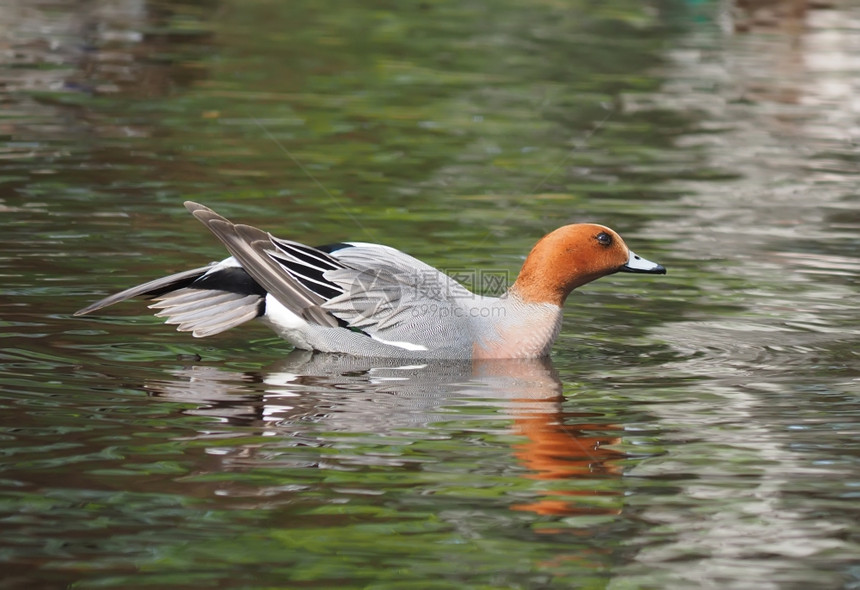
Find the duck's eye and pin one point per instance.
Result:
(604, 238)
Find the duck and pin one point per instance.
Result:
(371, 300)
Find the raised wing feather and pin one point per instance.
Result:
(258, 254)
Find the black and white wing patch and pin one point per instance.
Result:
(308, 266)
(291, 272)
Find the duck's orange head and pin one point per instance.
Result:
(572, 256)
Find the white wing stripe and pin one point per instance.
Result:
(294, 248)
(286, 259)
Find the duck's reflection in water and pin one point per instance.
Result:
(313, 397)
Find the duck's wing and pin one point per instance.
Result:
(393, 297)
(365, 257)
(369, 287)
(291, 272)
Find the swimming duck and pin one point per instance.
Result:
(372, 300)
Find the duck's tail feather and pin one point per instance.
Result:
(150, 289)
(204, 301)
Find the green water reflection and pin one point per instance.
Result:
(695, 430)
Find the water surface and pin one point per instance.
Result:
(693, 430)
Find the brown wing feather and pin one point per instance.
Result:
(248, 245)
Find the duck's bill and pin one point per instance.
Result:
(638, 264)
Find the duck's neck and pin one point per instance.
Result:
(543, 278)
(519, 330)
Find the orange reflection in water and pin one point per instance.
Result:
(555, 450)
(556, 446)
